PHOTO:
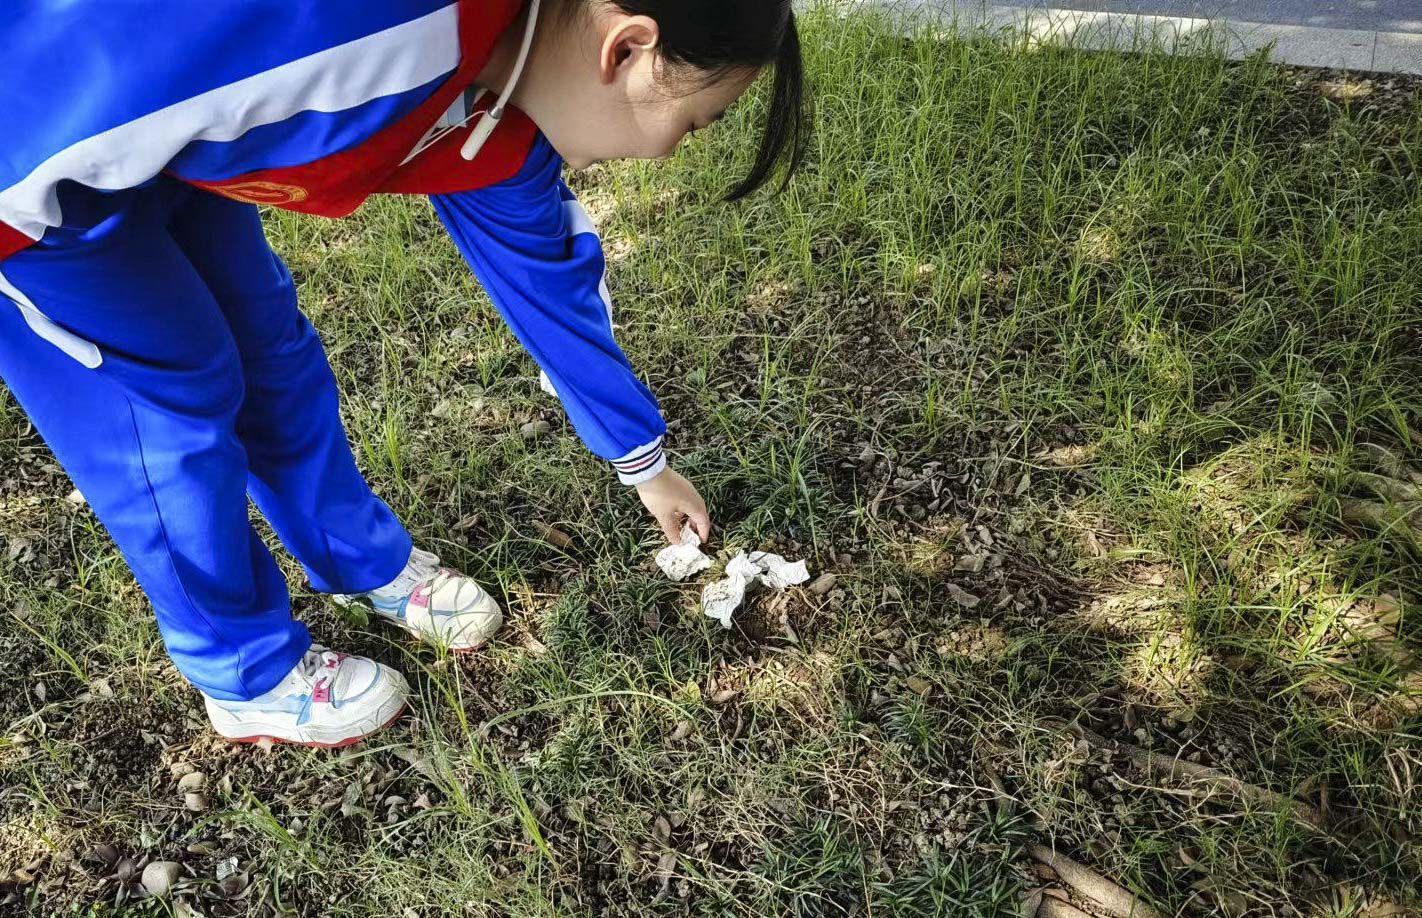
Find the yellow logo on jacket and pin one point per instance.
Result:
(263, 193)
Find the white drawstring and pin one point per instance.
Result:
(480, 135)
(438, 133)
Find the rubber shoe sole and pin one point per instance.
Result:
(351, 741)
(435, 642)
(374, 613)
(318, 736)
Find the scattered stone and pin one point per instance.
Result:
(195, 802)
(970, 564)
(535, 429)
(192, 782)
(1052, 907)
(962, 597)
(822, 584)
(159, 877)
(103, 856)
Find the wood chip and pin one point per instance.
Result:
(1168, 768)
(554, 536)
(1056, 908)
(1112, 900)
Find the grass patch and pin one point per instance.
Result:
(1093, 378)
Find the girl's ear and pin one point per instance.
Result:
(628, 42)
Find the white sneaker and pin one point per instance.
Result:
(328, 699)
(435, 603)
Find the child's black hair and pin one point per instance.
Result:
(720, 36)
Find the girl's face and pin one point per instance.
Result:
(598, 89)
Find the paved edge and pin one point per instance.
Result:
(1305, 46)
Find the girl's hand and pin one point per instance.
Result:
(671, 498)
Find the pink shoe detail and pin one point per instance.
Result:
(321, 694)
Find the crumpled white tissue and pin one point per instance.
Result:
(720, 599)
(776, 572)
(681, 561)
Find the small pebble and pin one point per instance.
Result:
(192, 782)
(159, 877)
(962, 597)
(970, 564)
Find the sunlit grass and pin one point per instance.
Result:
(1109, 343)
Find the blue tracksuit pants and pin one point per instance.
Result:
(210, 386)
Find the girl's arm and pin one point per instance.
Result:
(540, 259)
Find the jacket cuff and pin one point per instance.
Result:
(642, 464)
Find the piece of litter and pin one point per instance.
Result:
(778, 573)
(720, 599)
(681, 561)
(226, 868)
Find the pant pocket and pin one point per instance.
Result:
(81, 350)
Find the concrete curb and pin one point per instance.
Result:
(1306, 46)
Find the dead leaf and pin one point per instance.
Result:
(553, 536)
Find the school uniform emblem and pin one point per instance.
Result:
(274, 193)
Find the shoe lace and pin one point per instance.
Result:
(424, 565)
(318, 663)
(422, 568)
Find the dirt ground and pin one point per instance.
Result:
(1086, 385)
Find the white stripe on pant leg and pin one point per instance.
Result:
(71, 344)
